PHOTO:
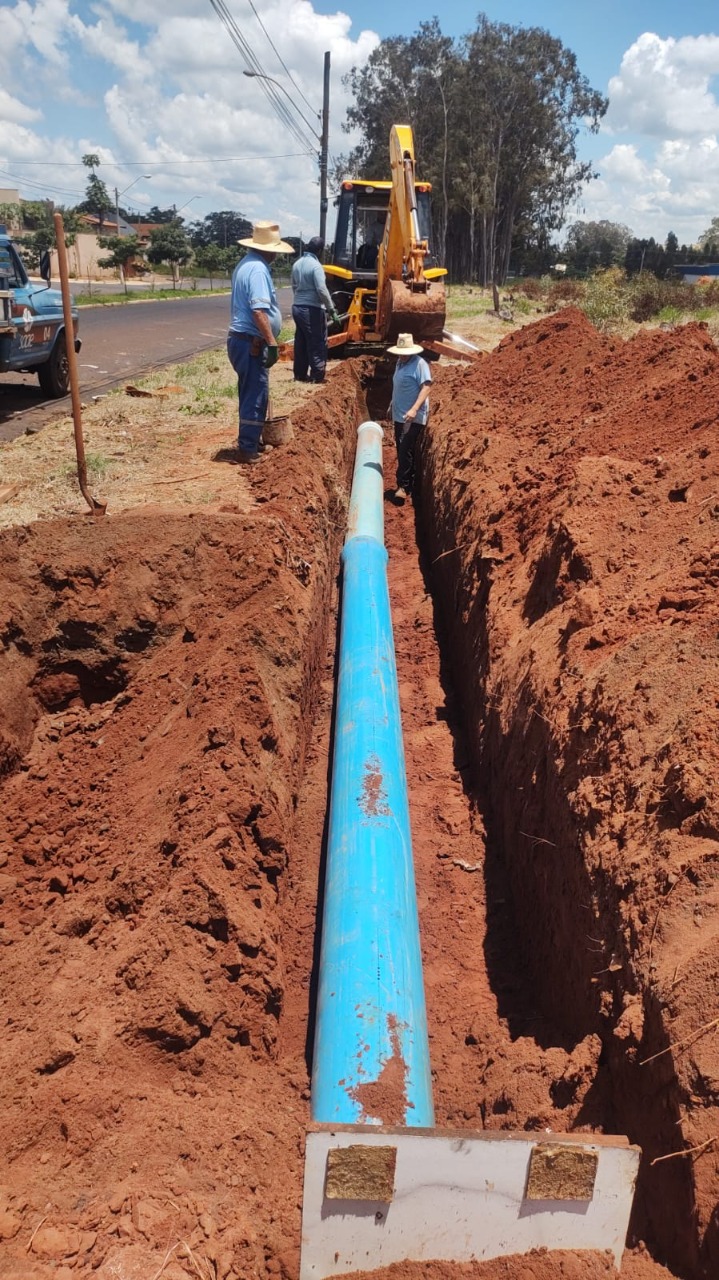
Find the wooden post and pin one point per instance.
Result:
(97, 508)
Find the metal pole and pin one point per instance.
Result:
(117, 213)
(97, 508)
(324, 147)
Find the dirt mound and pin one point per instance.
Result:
(158, 671)
(571, 499)
(537, 1265)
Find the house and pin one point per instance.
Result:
(110, 225)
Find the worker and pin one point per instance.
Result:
(255, 324)
(368, 252)
(310, 309)
(410, 408)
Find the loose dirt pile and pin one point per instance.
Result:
(571, 508)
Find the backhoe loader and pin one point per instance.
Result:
(382, 275)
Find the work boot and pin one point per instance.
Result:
(250, 458)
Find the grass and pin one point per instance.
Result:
(141, 295)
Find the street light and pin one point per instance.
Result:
(322, 138)
(121, 193)
(184, 206)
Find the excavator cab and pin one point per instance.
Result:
(382, 274)
(352, 272)
(361, 216)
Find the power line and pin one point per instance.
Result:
(120, 164)
(42, 186)
(280, 59)
(269, 89)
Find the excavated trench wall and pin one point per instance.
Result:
(160, 673)
(568, 513)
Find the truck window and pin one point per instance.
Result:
(17, 278)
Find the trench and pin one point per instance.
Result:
(215, 863)
(515, 1038)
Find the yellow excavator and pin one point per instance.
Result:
(382, 275)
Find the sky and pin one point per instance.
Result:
(157, 91)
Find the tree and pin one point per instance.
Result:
(38, 217)
(169, 244)
(97, 200)
(592, 245)
(10, 214)
(709, 239)
(645, 255)
(495, 117)
(224, 229)
(160, 216)
(210, 258)
(122, 250)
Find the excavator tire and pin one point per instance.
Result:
(421, 314)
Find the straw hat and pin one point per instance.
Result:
(266, 236)
(406, 346)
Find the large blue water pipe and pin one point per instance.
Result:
(371, 1055)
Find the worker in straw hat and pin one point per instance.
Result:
(255, 323)
(410, 408)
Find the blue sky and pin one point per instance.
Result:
(158, 90)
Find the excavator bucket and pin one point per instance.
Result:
(421, 312)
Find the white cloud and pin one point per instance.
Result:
(664, 87)
(13, 111)
(665, 176)
(164, 87)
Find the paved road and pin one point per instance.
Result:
(119, 344)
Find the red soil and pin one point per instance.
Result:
(571, 500)
(163, 791)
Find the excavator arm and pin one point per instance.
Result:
(410, 298)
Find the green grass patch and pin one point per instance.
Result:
(141, 295)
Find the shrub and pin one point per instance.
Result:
(531, 288)
(605, 300)
(566, 291)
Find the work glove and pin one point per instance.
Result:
(334, 317)
(270, 356)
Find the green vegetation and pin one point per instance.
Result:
(139, 295)
(612, 299)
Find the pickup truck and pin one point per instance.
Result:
(32, 324)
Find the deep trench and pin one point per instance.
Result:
(484, 989)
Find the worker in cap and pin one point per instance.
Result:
(411, 382)
(255, 323)
(311, 308)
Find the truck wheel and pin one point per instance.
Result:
(54, 375)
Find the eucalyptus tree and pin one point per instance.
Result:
(496, 117)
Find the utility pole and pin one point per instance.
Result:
(324, 147)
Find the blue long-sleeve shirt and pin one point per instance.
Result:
(309, 285)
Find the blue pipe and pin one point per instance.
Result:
(371, 1057)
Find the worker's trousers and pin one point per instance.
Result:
(406, 438)
(253, 386)
(310, 343)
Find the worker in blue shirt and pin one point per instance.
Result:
(255, 323)
(311, 307)
(411, 382)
